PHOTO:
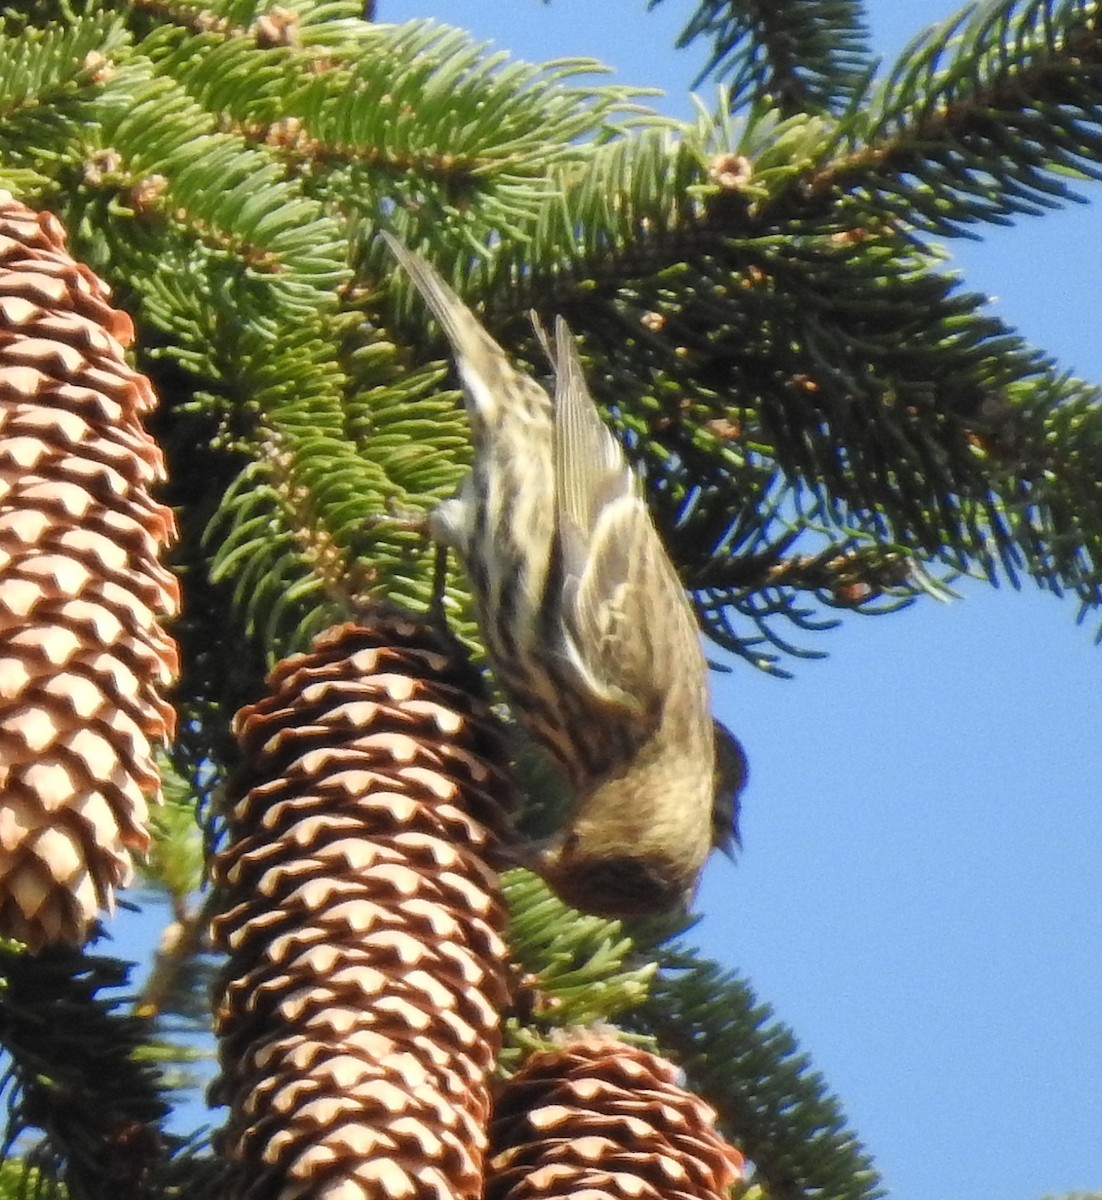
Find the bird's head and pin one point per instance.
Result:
(628, 882)
(636, 843)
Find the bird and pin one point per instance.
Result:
(591, 635)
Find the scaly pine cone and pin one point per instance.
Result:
(600, 1120)
(83, 656)
(358, 1014)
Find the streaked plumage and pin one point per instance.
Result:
(590, 632)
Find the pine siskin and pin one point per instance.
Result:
(592, 637)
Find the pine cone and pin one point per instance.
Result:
(83, 657)
(358, 1014)
(599, 1120)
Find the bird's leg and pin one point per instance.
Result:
(427, 525)
(398, 517)
(439, 586)
(450, 520)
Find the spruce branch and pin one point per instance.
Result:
(989, 115)
(772, 1105)
(580, 969)
(801, 56)
(77, 1075)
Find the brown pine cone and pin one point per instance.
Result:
(600, 1120)
(84, 659)
(358, 1014)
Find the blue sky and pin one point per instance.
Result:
(918, 896)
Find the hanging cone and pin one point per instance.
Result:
(358, 1013)
(84, 659)
(599, 1120)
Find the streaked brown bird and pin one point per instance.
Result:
(591, 635)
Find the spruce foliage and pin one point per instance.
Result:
(825, 420)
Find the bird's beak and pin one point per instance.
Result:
(533, 854)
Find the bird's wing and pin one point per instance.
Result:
(480, 359)
(609, 550)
